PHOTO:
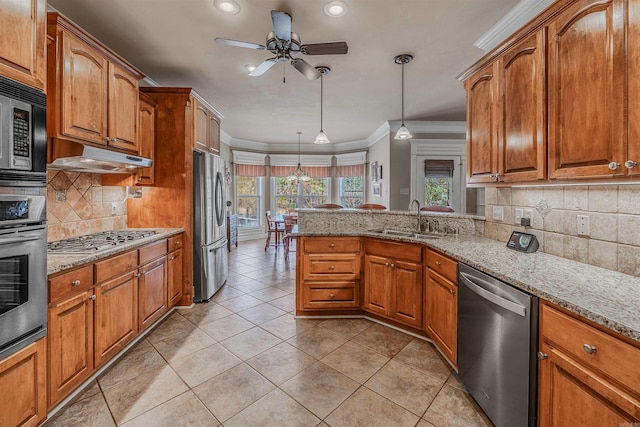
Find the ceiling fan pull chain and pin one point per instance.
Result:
(284, 73)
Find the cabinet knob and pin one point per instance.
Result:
(614, 165)
(393, 265)
(115, 139)
(386, 264)
(172, 258)
(438, 263)
(139, 178)
(630, 164)
(138, 275)
(176, 242)
(452, 292)
(589, 349)
(332, 245)
(542, 356)
(331, 295)
(75, 283)
(92, 297)
(332, 267)
(106, 139)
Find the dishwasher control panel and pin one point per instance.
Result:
(523, 242)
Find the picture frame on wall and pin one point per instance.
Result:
(376, 189)
(379, 173)
(374, 171)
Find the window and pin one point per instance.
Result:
(290, 195)
(351, 191)
(438, 182)
(248, 193)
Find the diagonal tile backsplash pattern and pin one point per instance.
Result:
(78, 204)
(614, 221)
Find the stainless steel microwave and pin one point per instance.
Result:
(23, 135)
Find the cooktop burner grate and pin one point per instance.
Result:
(96, 242)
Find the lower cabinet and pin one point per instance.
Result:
(174, 278)
(152, 288)
(23, 379)
(587, 377)
(441, 303)
(393, 281)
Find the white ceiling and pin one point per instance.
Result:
(171, 41)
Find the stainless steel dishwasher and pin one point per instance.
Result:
(497, 342)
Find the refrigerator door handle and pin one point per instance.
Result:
(205, 264)
(219, 199)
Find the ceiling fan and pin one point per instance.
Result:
(284, 44)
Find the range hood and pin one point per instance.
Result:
(86, 158)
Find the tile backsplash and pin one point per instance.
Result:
(78, 204)
(613, 213)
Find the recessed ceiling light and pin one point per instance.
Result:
(335, 9)
(250, 67)
(227, 6)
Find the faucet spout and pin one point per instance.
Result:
(417, 203)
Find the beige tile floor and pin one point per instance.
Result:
(243, 360)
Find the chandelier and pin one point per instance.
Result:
(298, 174)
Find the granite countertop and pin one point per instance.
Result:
(59, 262)
(608, 298)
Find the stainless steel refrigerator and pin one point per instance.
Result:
(210, 264)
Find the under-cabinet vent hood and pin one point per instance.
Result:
(85, 158)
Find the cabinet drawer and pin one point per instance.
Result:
(331, 245)
(396, 250)
(331, 295)
(333, 266)
(612, 356)
(115, 266)
(175, 242)
(152, 251)
(444, 265)
(71, 282)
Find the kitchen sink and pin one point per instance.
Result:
(406, 233)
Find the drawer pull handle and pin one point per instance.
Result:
(75, 283)
(331, 295)
(332, 245)
(333, 267)
(589, 349)
(452, 292)
(542, 356)
(438, 263)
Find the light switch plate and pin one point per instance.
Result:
(498, 213)
(583, 225)
(518, 216)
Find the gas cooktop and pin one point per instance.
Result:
(96, 242)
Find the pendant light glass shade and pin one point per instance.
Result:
(403, 133)
(298, 174)
(322, 137)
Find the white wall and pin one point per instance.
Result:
(380, 152)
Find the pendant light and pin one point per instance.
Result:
(298, 174)
(322, 138)
(403, 132)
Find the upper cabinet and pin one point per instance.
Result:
(23, 41)
(93, 94)
(146, 138)
(562, 91)
(207, 126)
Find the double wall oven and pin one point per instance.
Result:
(23, 231)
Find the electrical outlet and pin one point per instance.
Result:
(528, 214)
(518, 216)
(583, 225)
(498, 213)
(114, 207)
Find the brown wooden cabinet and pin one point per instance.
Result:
(23, 41)
(441, 303)
(175, 275)
(146, 138)
(393, 280)
(207, 127)
(23, 381)
(153, 292)
(92, 93)
(328, 272)
(587, 90)
(587, 376)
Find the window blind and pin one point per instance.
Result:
(438, 168)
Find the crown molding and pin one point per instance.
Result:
(379, 133)
(515, 19)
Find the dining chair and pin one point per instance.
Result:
(327, 206)
(370, 206)
(275, 229)
(290, 222)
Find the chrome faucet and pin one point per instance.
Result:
(417, 202)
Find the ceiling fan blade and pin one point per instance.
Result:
(281, 25)
(262, 68)
(240, 44)
(335, 48)
(308, 70)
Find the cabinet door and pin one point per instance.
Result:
(152, 297)
(146, 140)
(214, 135)
(83, 92)
(407, 292)
(522, 112)
(175, 270)
(482, 155)
(123, 109)
(586, 90)
(202, 126)
(23, 381)
(572, 395)
(70, 345)
(22, 41)
(377, 285)
(442, 314)
(116, 316)
(633, 81)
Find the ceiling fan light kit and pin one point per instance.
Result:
(335, 9)
(227, 6)
(322, 137)
(298, 174)
(403, 133)
(283, 43)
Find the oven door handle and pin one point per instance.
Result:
(9, 240)
(490, 296)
